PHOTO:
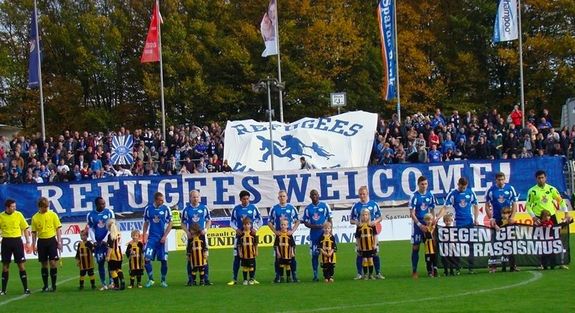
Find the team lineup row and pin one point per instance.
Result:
(149, 245)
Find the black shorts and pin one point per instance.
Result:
(114, 265)
(139, 272)
(47, 249)
(367, 254)
(284, 261)
(248, 262)
(13, 246)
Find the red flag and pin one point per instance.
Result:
(151, 51)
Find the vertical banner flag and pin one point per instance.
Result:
(33, 74)
(385, 15)
(151, 51)
(506, 21)
(268, 29)
(122, 150)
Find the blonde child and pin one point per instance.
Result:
(430, 256)
(135, 253)
(198, 255)
(85, 259)
(450, 263)
(366, 241)
(114, 256)
(328, 248)
(248, 251)
(284, 250)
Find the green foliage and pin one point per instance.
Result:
(212, 57)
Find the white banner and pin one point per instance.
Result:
(339, 141)
(506, 21)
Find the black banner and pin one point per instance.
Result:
(521, 245)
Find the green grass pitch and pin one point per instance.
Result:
(525, 291)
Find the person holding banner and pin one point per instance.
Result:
(464, 202)
(97, 221)
(284, 211)
(542, 197)
(158, 220)
(12, 227)
(47, 229)
(239, 213)
(422, 202)
(314, 217)
(545, 197)
(375, 217)
(196, 212)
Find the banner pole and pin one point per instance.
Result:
(42, 119)
(521, 82)
(161, 71)
(396, 61)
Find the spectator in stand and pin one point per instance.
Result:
(547, 117)
(226, 168)
(516, 117)
(215, 165)
(201, 167)
(544, 126)
(434, 156)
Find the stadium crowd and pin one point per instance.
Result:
(76, 156)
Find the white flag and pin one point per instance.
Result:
(268, 29)
(506, 21)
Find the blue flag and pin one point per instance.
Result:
(386, 17)
(33, 73)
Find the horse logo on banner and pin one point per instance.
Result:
(291, 147)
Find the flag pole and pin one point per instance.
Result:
(43, 124)
(521, 64)
(280, 90)
(161, 70)
(396, 62)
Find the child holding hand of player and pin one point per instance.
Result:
(114, 256)
(198, 255)
(135, 254)
(366, 241)
(284, 250)
(248, 251)
(430, 256)
(328, 248)
(85, 259)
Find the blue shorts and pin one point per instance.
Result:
(100, 251)
(416, 235)
(314, 250)
(155, 250)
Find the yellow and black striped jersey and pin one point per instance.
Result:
(327, 243)
(85, 255)
(198, 247)
(135, 254)
(366, 237)
(114, 249)
(283, 245)
(247, 245)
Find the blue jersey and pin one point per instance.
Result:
(462, 202)
(158, 219)
(422, 204)
(199, 214)
(239, 213)
(287, 212)
(97, 222)
(374, 210)
(500, 198)
(316, 214)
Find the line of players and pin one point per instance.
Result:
(501, 207)
(106, 246)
